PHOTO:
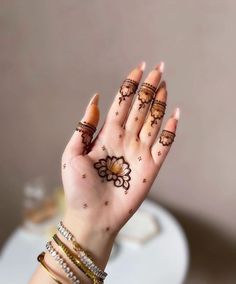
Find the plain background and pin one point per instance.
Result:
(55, 54)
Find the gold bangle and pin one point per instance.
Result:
(40, 259)
(73, 257)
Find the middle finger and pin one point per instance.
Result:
(143, 99)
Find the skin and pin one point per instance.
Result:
(96, 209)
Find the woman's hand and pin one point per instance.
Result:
(106, 181)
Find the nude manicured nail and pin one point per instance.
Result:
(94, 100)
(142, 66)
(176, 114)
(160, 67)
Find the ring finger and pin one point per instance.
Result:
(155, 116)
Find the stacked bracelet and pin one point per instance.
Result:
(73, 257)
(78, 256)
(70, 274)
(82, 254)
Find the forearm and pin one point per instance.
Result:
(97, 242)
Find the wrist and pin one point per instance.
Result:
(92, 238)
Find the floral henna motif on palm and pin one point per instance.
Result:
(87, 130)
(114, 169)
(145, 94)
(167, 137)
(157, 111)
(127, 89)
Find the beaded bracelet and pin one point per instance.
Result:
(70, 274)
(40, 259)
(83, 255)
(73, 257)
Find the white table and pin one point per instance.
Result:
(162, 260)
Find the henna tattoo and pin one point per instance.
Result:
(85, 205)
(114, 169)
(167, 137)
(157, 111)
(87, 131)
(145, 94)
(127, 89)
(159, 153)
(144, 180)
(140, 158)
(126, 191)
(106, 203)
(84, 176)
(64, 166)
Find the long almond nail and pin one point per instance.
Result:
(176, 114)
(94, 100)
(142, 66)
(160, 67)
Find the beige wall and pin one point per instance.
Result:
(55, 54)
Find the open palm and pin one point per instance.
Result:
(106, 181)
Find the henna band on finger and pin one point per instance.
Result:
(87, 130)
(167, 137)
(145, 94)
(128, 88)
(157, 111)
(86, 127)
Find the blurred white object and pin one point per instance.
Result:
(141, 228)
(163, 259)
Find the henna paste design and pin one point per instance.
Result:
(87, 131)
(145, 94)
(167, 137)
(127, 89)
(114, 169)
(157, 111)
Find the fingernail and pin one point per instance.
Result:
(94, 100)
(176, 114)
(142, 66)
(162, 84)
(160, 67)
